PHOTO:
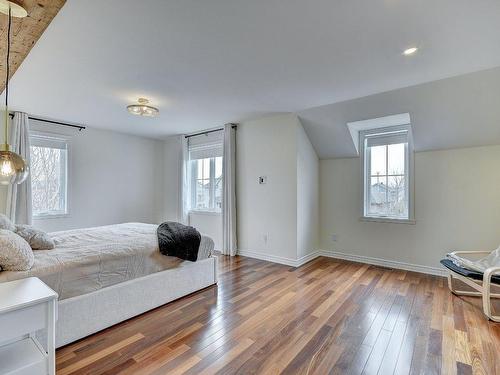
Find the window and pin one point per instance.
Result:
(207, 184)
(387, 173)
(205, 169)
(49, 175)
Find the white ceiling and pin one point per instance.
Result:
(205, 63)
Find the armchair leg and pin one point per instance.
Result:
(460, 292)
(450, 282)
(487, 301)
(485, 293)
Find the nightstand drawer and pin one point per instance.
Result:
(17, 323)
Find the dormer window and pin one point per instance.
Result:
(387, 162)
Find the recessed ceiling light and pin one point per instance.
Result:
(410, 51)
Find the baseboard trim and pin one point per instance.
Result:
(307, 258)
(437, 271)
(269, 258)
(281, 260)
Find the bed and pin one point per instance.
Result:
(108, 274)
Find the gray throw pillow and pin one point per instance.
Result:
(16, 253)
(38, 239)
(5, 223)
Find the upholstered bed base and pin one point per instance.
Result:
(84, 315)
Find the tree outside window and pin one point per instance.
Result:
(48, 176)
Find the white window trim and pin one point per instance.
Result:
(410, 164)
(205, 212)
(68, 141)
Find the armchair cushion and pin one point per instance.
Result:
(495, 279)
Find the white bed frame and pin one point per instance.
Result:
(483, 287)
(84, 315)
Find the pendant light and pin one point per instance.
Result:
(13, 168)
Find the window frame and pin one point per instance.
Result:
(48, 136)
(409, 174)
(193, 181)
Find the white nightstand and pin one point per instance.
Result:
(27, 306)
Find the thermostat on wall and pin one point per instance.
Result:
(262, 180)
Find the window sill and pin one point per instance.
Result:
(208, 213)
(387, 220)
(55, 216)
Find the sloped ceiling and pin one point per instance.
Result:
(451, 113)
(205, 63)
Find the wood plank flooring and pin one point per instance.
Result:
(326, 317)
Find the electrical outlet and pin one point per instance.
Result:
(335, 237)
(262, 180)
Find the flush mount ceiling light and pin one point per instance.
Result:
(143, 109)
(410, 51)
(13, 168)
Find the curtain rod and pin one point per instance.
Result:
(79, 127)
(208, 131)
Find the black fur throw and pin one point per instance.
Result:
(178, 240)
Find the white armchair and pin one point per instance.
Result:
(483, 287)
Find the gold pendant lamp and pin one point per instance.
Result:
(13, 168)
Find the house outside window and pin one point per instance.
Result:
(49, 176)
(207, 184)
(387, 162)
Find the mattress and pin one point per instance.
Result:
(86, 260)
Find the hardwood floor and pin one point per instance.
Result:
(327, 316)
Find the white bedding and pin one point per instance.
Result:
(86, 260)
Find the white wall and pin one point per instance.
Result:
(168, 202)
(457, 207)
(307, 195)
(210, 224)
(267, 147)
(113, 178)
(285, 210)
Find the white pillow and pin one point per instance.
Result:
(5, 223)
(38, 239)
(15, 252)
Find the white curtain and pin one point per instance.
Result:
(184, 191)
(19, 208)
(229, 192)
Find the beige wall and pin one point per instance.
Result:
(457, 207)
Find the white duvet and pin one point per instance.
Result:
(89, 259)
